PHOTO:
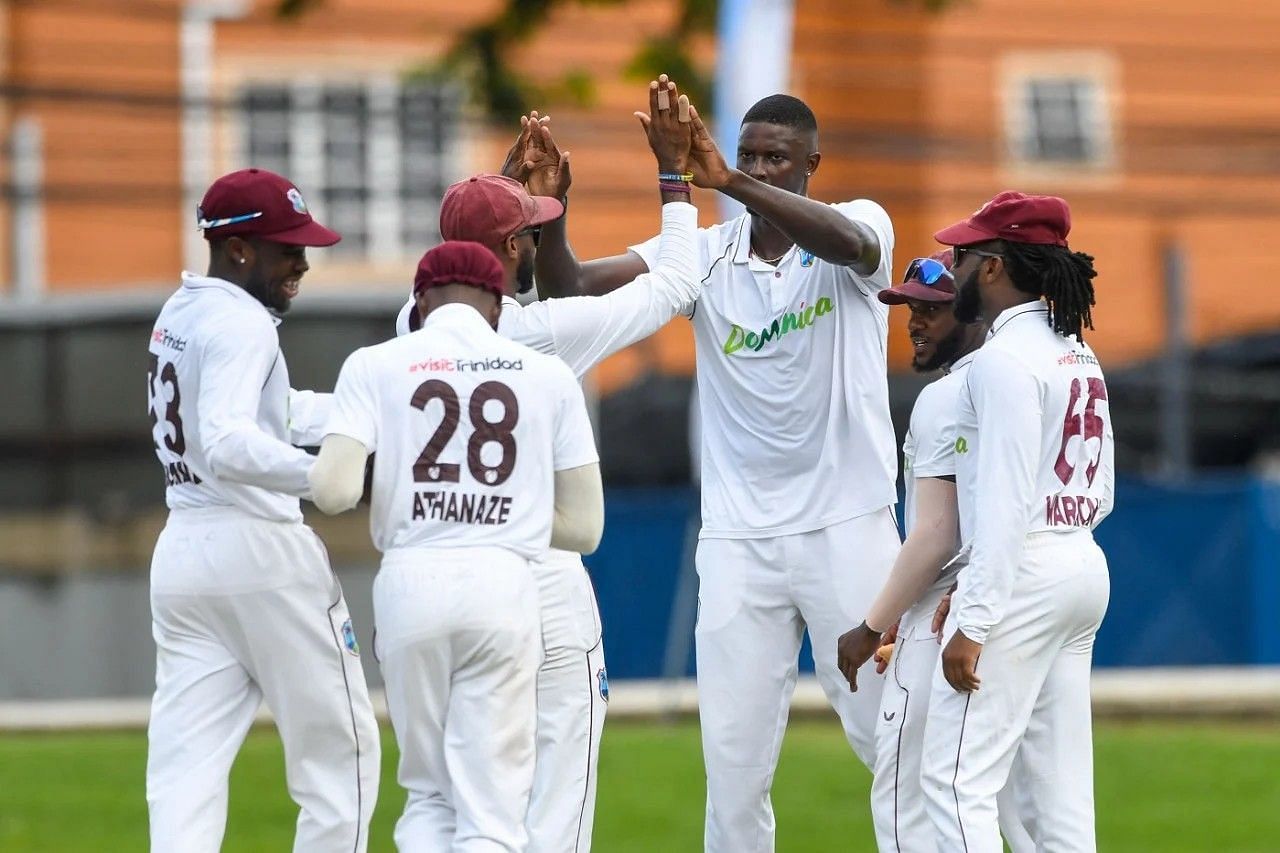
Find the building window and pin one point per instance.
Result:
(1059, 118)
(372, 158)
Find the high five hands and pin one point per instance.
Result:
(536, 161)
(704, 160)
(675, 131)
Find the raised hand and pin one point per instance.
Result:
(546, 166)
(667, 125)
(708, 165)
(514, 165)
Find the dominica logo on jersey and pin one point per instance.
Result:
(349, 638)
(802, 318)
(602, 678)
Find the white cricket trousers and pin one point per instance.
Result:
(1033, 702)
(573, 691)
(755, 599)
(457, 637)
(245, 609)
(897, 796)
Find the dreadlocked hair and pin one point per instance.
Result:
(1063, 277)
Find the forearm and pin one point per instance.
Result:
(337, 478)
(557, 271)
(578, 519)
(244, 454)
(916, 568)
(817, 227)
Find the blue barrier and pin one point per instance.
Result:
(1195, 574)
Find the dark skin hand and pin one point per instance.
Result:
(960, 663)
(940, 614)
(855, 648)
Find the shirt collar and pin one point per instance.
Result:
(961, 361)
(456, 313)
(192, 281)
(742, 247)
(1036, 308)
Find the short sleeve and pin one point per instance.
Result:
(355, 413)
(574, 444)
(934, 433)
(873, 216)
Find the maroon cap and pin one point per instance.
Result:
(490, 208)
(460, 262)
(258, 203)
(915, 286)
(1016, 217)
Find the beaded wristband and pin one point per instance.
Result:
(686, 177)
(674, 187)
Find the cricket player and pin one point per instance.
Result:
(798, 461)
(925, 568)
(485, 458)
(497, 212)
(244, 605)
(1034, 476)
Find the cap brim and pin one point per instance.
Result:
(963, 234)
(310, 234)
(548, 209)
(902, 293)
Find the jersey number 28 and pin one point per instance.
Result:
(429, 468)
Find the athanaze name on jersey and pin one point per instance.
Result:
(1076, 511)
(465, 508)
(465, 365)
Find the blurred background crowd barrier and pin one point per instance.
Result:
(1160, 125)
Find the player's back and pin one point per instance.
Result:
(209, 335)
(467, 431)
(1074, 449)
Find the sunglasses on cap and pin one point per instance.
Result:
(534, 231)
(203, 224)
(927, 271)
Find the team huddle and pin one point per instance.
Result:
(957, 660)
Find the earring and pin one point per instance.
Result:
(242, 260)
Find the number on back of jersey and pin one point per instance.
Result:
(163, 396)
(492, 415)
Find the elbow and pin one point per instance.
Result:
(336, 501)
(582, 540)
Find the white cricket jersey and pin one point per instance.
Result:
(583, 330)
(1035, 454)
(929, 448)
(792, 389)
(220, 404)
(468, 428)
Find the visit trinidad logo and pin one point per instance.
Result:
(802, 318)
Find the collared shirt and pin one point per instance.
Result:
(469, 429)
(1035, 454)
(219, 399)
(792, 390)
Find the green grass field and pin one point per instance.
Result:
(1163, 787)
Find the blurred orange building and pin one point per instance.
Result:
(1160, 122)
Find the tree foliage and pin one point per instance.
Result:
(480, 56)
